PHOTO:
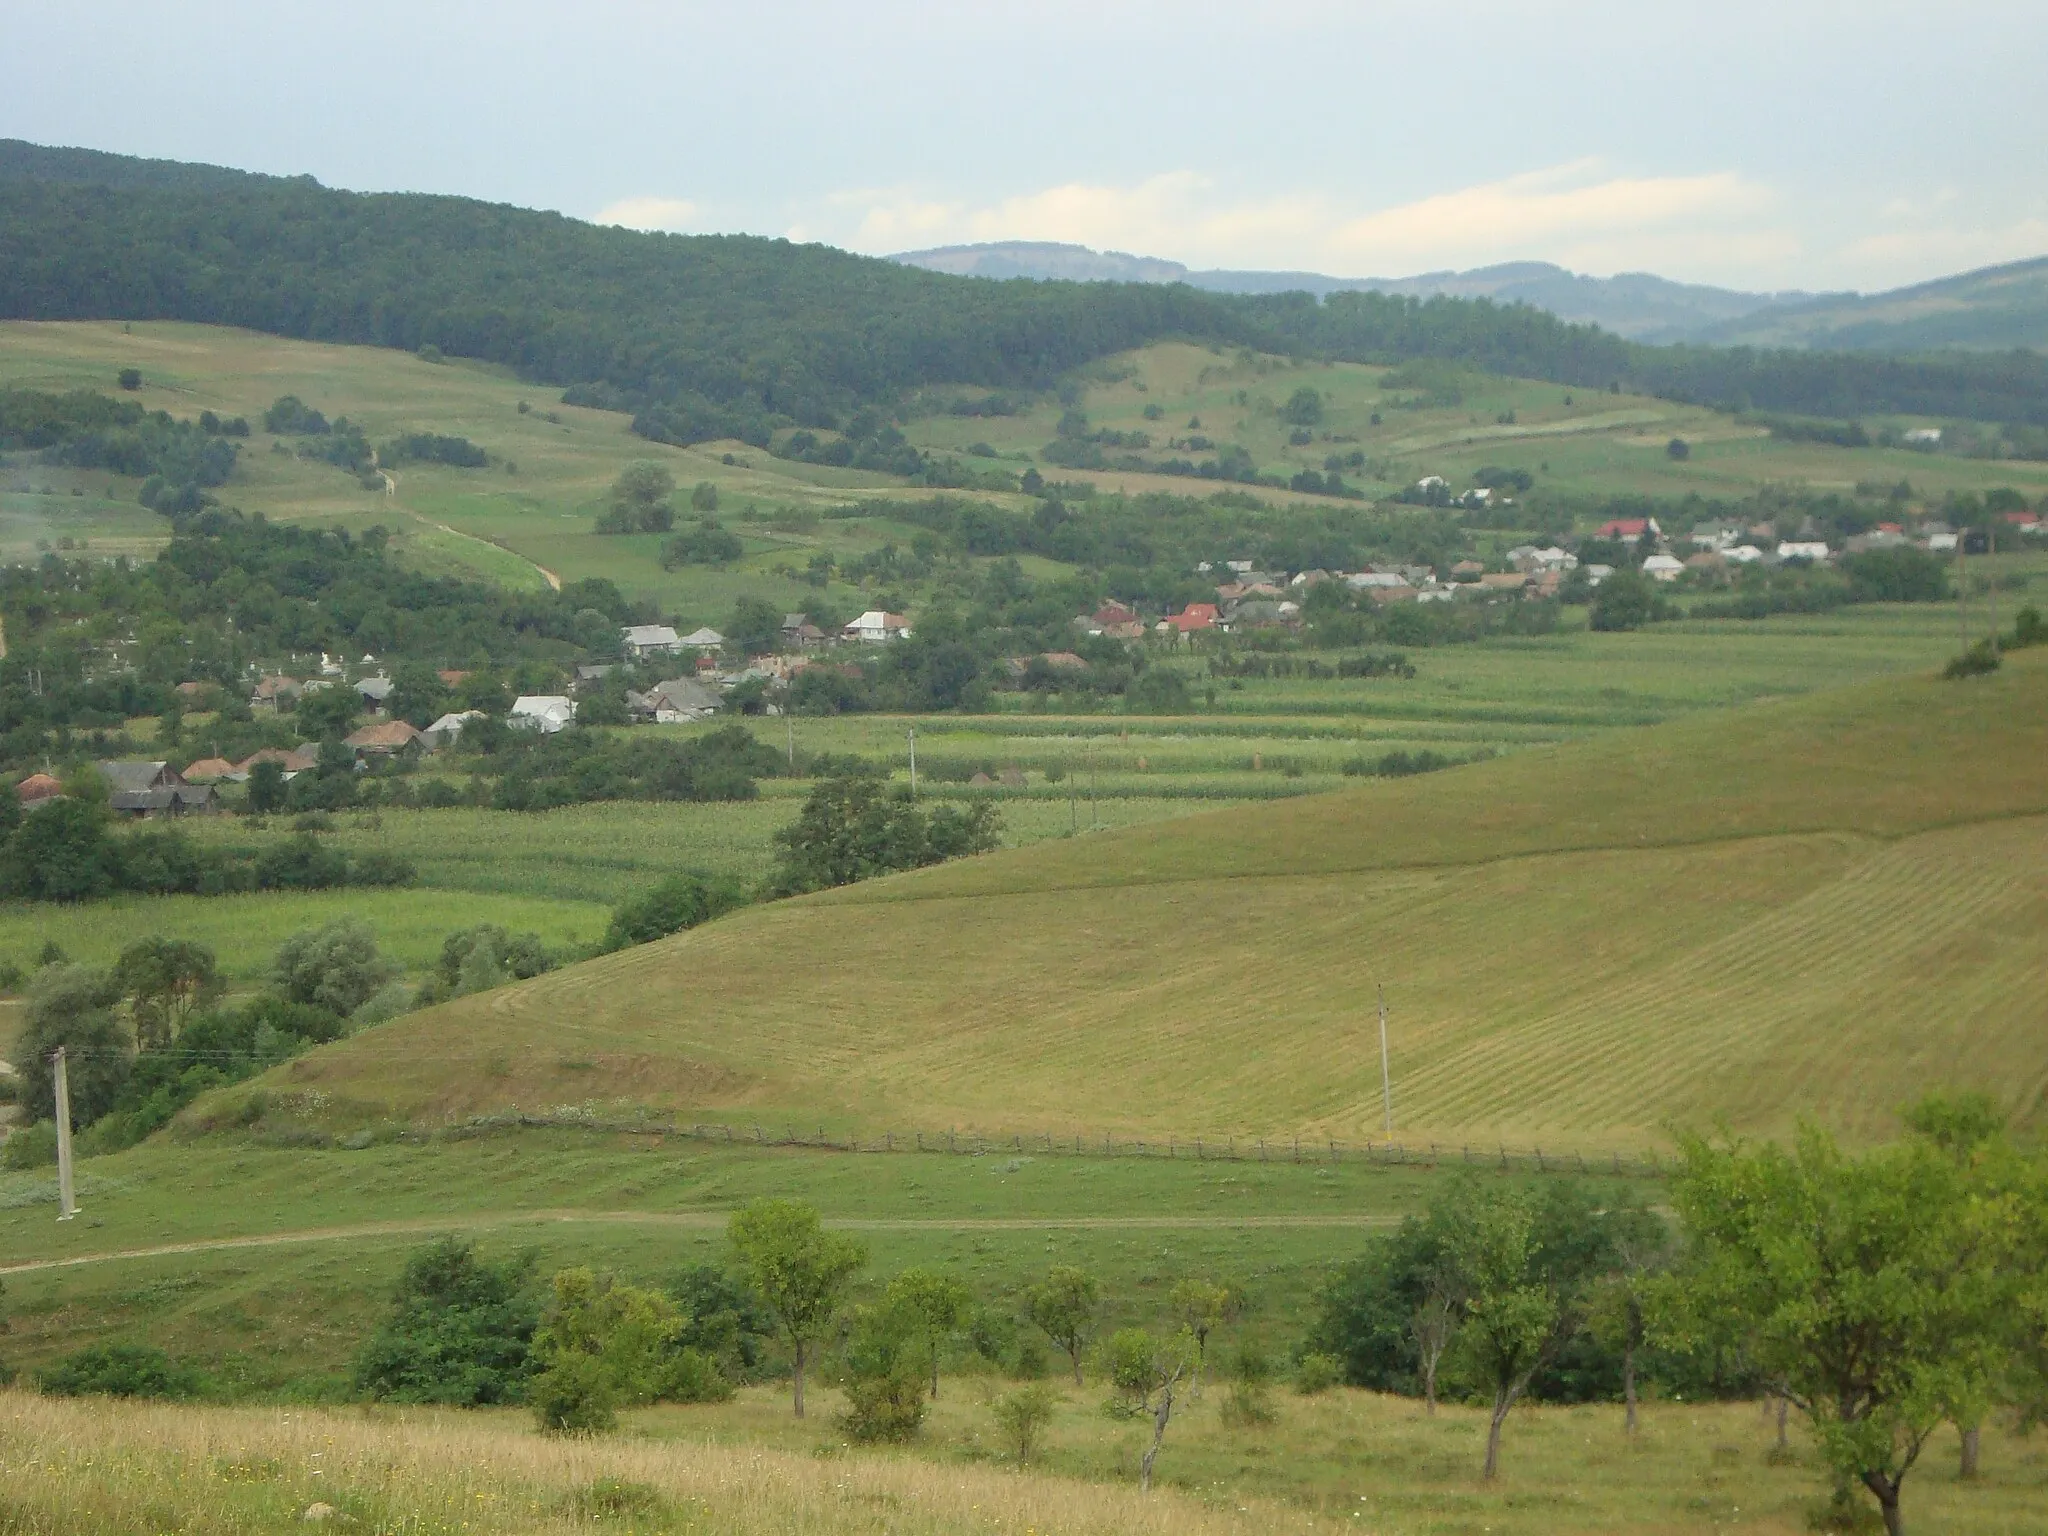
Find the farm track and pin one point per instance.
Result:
(700, 1221)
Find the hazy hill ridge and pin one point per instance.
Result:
(1995, 307)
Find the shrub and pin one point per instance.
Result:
(574, 1396)
(1978, 660)
(679, 902)
(886, 1408)
(1249, 1405)
(33, 1146)
(1022, 1417)
(118, 1370)
(460, 1331)
(1317, 1373)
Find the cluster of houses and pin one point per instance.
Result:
(134, 790)
(1255, 599)
(1718, 546)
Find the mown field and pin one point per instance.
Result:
(1342, 1461)
(1813, 906)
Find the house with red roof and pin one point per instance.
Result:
(1192, 619)
(1629, 529)
(38, 789)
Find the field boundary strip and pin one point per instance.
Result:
(1299, 1150)
(708, 1220)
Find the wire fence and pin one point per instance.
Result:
(1323, 1151)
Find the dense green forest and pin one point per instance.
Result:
(712, 336)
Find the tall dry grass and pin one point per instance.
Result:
(68, 1468)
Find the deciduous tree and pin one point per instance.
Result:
(800, 1270)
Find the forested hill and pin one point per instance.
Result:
(712, 336)
(763, 325)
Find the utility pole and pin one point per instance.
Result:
(1386, 1077)
(1073, 804)
(1963, 589)
(1991, 576)
(913, 762)
(67, 1207)
(789, 730)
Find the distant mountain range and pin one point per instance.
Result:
(1995, 308)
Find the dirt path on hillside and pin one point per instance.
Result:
(546, 575)
(705, 1221)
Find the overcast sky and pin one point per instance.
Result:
(1799, 143)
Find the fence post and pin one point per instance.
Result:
(1539, 1161)
(1503, 1156)
(1297, 1149)
(1333, 1151)
(1262, 1149)
(1198, 1149)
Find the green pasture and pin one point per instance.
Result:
(245, 930)
(1597, 444)
(333, 1226)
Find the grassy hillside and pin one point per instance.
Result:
(1343, 1461)
(1576, 443)
(1992, 309)
(1808, 907)
(529, 516)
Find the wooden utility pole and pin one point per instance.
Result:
(1386, 1076)
(913, 762)
(67, 1207)
(789, 730)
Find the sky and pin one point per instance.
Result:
(1797, 144)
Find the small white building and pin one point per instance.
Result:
(543, 712)
(449, 726)
(1815, 550)
(1922, 437)
(1743, 554)
(643, 640)
(1663, 568)
(878, 628)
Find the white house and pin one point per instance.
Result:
(643, 640)
(1360, 581)
(543, 712)
(1940, 543)
(448, 727)
(1815, 550)
(705, 639)
(1922, 437)
(1663, 568)
(878, 628)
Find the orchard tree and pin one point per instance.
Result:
(1063, 1306)
(1149, 1372)
(1875, 1290)
(931, 1307)
(800, 1270)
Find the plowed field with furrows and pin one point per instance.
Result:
(1811, 908)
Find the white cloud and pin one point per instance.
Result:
(1571, 213)
(1908, 255)
(671, 213)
